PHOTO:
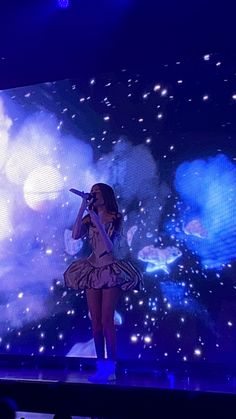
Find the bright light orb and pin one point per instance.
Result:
(21, 162)
(42, 185)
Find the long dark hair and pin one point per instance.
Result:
(109, 197)
(111, 205)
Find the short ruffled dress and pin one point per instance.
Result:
(101, 269)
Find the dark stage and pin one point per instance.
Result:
(141, 391)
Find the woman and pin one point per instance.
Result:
(101, 275)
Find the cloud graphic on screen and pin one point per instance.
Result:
(38, 168)
(208, 191)
(38, 210)
(5, 125)
(135, 175)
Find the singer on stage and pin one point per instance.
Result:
(102, 275)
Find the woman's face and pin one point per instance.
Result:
(96, 191)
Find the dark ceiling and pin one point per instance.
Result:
(40, 41)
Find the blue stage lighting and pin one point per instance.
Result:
(63, 3)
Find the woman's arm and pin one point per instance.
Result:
(105, 237)
(79, 228)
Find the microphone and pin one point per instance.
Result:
(88, 196)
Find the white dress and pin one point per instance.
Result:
(102, 269)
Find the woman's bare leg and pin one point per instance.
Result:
(94, 299)
(110, 297)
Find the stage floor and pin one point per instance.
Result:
(182, 393)
(156, 380)
(30, 415)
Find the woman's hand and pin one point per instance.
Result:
(87, 198)
(86, 203)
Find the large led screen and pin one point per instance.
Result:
(166, 144)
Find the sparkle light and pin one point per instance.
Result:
(48, 252)
(157, 87)
(164, 92)
(197, 352)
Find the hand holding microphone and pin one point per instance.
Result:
(88, 198)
